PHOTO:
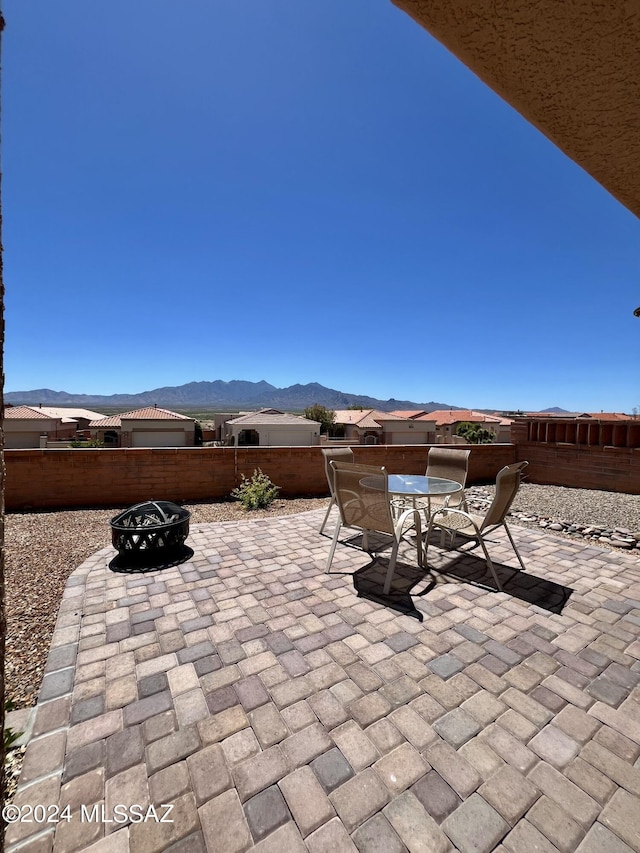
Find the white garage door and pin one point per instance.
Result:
(289, 438)
(21, 440)
(408, 437)
(161, 438)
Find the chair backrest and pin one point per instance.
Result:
(340, 454)
(507, 485)
(362, 495)
(448, 463)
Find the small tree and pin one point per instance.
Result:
(326, 417)
(474, 433)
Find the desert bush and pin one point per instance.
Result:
(255, 492)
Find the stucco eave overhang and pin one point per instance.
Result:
(571, 68)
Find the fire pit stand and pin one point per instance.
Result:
(150, 534)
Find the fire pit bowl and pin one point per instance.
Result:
(150, 532)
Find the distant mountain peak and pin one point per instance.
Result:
(233, 395)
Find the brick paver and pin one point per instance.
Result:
(263, 704)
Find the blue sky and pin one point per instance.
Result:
(296, 192)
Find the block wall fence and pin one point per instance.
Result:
(49, 479)
(579, 454)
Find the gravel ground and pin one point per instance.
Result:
(43, 548)
(582, 506)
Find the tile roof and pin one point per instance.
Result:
(268, 416)
(70, 413)
(412, 414)
(366, 418)
(607, 416)
(370, 421)
(357, 417)
(453, 416)
(149, 413)
(111, 421)
(25, 413)
(153, 413)
(350, 416)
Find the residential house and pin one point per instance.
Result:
(147, 427)
(37, 426)
(447, 421)
(80, 417)
(271, 428)
(369, 426)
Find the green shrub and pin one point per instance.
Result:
(255, 492)
(89, 442)
(10, 736)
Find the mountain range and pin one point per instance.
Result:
(235, 395)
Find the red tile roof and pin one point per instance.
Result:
(153, 413)
(111, 421)
(150, 413)
(26, 413)
(607, 416)
(366, 418)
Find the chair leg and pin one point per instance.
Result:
(326, 516)
(392, 566)
(513, 545)
(426, 539)
(490, 563)
(418, 525)
(332, 550)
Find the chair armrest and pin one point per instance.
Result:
(459, 513)
(400, 523)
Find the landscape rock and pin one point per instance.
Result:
(572, 512)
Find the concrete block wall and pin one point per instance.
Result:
(48, 479)
(611, 469)
(580, 453)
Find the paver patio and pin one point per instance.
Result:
(277, 710)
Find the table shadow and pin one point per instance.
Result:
(471, 569)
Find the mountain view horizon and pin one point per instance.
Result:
(234, 394)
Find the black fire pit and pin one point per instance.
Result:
(150, 535)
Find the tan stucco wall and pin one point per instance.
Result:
(26, 432)
(273, 435)
(569, 67)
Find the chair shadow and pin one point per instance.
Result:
(472, 569)
(369, 583)
(465, 567)
(137, 563)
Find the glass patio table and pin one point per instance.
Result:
(407, 489)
